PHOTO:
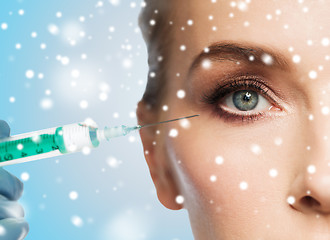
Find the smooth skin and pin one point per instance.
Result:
(274, 181)
(12, 223)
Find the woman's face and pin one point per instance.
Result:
(256, 163)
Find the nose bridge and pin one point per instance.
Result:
(319, 127)
(320, 117)
(317, 171)
(312, 185)
(320, 142)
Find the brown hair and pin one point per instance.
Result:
(155, 26)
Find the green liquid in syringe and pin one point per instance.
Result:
(47, 143)
(27, 147)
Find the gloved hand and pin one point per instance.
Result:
(12, 224)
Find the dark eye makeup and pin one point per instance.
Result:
(252, 84)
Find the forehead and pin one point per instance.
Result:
(280, 23)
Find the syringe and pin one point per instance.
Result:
(60, 140)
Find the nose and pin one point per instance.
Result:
(313, 191)
(310, 191)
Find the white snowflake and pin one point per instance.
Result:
(256, 149)
(291, 200)
(179, 199)
(25, 176)
(173, 133)
(4, 26)
(181, 94)
(325, 110)
(12, 99)
(213, 178)
(296, 58)
(83, 104)
(73, 195)
(219, 160)
(29, 74)
(206, 64)
(75, 73)
(273, 172)
(46, 103)
(243, 185)
(312, 74)
(267, 59)
(183, 48)
(77, 221)
(325, 42)
(311, 169)
(53, 29)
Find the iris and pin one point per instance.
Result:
(245, 100)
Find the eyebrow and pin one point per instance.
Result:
(241, 52)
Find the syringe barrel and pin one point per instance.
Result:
(75, 137)
(47, 143)
(28, 147)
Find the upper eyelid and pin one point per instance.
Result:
(261, 80)
(277, 96)
(252, 86)
(265, 76)
(233, 84)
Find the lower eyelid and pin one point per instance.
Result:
(271, 111)
(239, 119)
(236, 118)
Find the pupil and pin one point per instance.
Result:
(247, 97)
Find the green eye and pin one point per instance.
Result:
(245, 100)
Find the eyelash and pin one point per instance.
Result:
(219, 92)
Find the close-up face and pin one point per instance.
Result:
(256, 163)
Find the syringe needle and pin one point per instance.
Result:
(152, 124)
(123, 130)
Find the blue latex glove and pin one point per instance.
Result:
(12, 223)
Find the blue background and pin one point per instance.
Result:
(118, 203)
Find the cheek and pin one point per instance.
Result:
(235, 170)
